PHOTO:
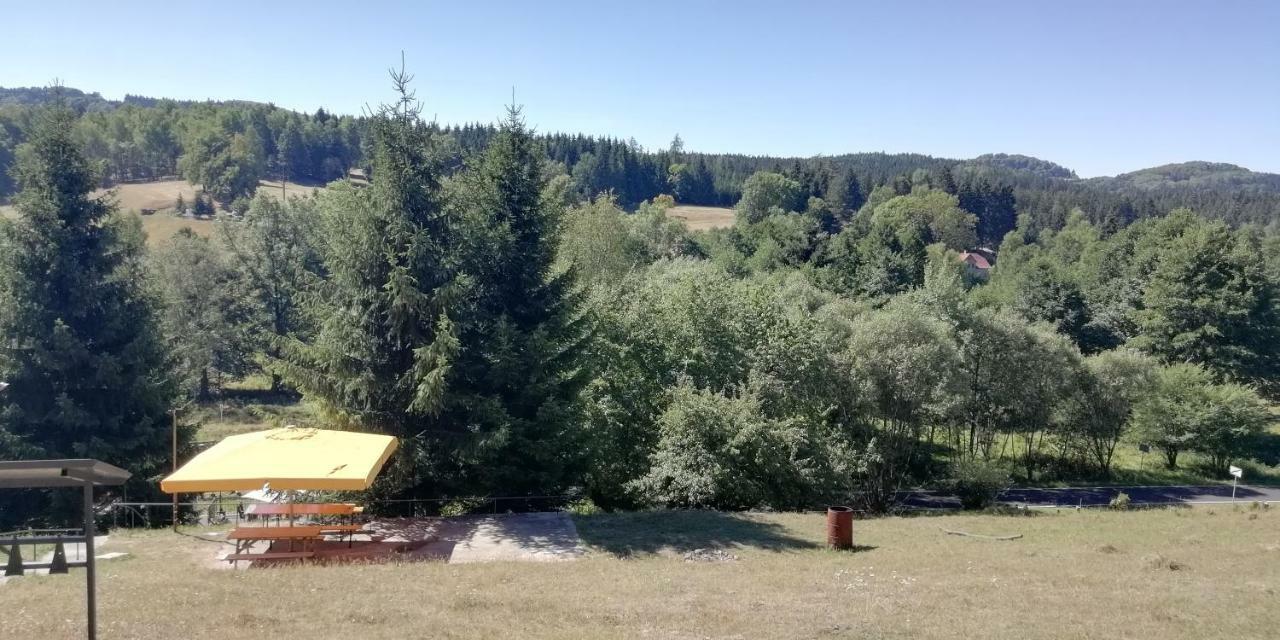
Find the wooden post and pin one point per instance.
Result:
(174, 442)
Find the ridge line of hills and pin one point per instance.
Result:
(1044, 189)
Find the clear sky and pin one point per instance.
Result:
(1102, 86)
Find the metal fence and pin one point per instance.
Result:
(35, 543)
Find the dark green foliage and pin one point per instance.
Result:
(209, 322)
(1016, 162)
(1188, 411)
(844, 194)
(1209, 301)
(273, 250)
(721, 451)
(384, 339)
(81, 345)
(513, 386)
(978, 482)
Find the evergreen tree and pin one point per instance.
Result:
(274, 254)
(844, 194)
(208, 319)
(79, 342)
(516, 380)
(384, 335)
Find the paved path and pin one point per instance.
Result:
(1096, 496)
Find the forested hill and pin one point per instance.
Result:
(227, 146)
(1195, 175)
(83, 102)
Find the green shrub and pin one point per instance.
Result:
(720, 450)
(583, 507)
(462, 507)
(1121, 501)
(978, 482)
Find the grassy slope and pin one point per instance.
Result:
(248, 405)
(703, 218)
(1074, 575)
(161, 196)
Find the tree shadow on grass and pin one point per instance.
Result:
(651, 532)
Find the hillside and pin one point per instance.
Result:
(140, 138)
(1195, 175)
(84, 102)
(1027, 164)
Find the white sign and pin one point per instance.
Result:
(1236, 471)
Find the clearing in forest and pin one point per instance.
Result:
(703, 218)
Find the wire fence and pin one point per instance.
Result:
(214, 510)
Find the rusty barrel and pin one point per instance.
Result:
(840, 527)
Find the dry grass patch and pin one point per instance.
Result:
(161, 197)
(909, 581)
(703, 218)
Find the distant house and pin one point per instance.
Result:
(976, 264)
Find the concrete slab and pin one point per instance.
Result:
(536, 537)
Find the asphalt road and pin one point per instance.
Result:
(1096, 496)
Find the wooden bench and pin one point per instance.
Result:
(245, 536)
(284, 555)
(343, 528)
(348, 530)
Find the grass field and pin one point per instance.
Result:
(248, 405)
(160, 196)
(1177, 573)
(703, 218)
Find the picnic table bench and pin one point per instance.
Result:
(293, 509)
(244, 537)
(304, 509)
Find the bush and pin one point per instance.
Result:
(720, 451)
(978, 482)
(462, 507)
(880, 471)
(1121, 501)
(583, 507)
(240, 206)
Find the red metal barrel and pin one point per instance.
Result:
(840, 527)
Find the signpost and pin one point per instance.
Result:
(1236, 472)
(1145, 449)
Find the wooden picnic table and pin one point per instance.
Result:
(246, 536)
(291, 510)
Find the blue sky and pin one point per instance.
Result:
(1101, 87)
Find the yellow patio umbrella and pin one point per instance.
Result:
(288, 459)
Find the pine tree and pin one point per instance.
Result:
(79, 342)
(844, 194)
(384, 335)
(274, 254)
(517, 377)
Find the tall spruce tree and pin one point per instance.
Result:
(384, 336)
(79, 341)
(516, 379)
(273, 250)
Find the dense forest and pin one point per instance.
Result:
(228, 146)
(521, 312)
